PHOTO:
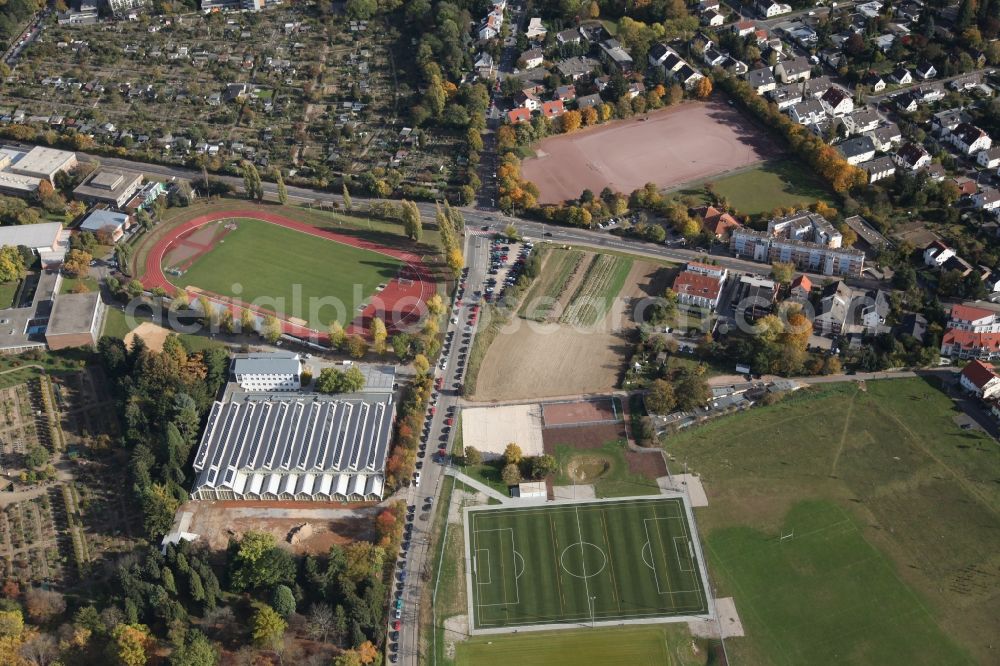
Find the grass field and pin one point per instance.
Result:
(605, 468)
(544, 293)
(574, 563)
(899, 562)
(662, 645)
(605, 277)
(77, 285)
(8, 290)
(770, 185)
(268, 261)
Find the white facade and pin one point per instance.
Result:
(268, 372)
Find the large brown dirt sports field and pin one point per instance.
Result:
(581, 411)
(684, 143)
(530, 360)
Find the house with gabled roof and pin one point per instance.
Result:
(912, 156)
(969, 139)
(761, 80)
(796, 69)
(519, 115)
(837, 102)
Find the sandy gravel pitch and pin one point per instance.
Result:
(152, 334)
(672, 146)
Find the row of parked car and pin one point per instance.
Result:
(499, 258)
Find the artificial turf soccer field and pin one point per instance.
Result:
(574, 563)
(266, 260)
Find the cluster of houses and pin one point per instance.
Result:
(972, 332)
(982, 381)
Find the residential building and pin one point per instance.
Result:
(980, 379)
(957, 343)
(987, 199)
(574, 68)
(700, 285)
(807, 112)
(800, 288)
(969, 139)
(113, 187)
(937, 254)
(834, 308)
(268, 372)
(874, 81)
(816, 87)
(925, 71)
(901, 76)
(770, 8)
(124, 7)
(857, 149)
(687, 76)
(295, 447)
(945, 122)
(716, 222)
(912, 156)
(107, 225)
(878, 168)
(519, 115)
(755, 297)
(76, 320)
(862, 120)
(787, 96)
(565, 93)
(761, 80)
(886, 137)
(805, 255)
(615, 56)
(588, 101)
(796, 69)
(553, 109)
(804, 225)
(536, 31)
(837, 102)
(989, 158)
(973, 319)
(531, 58)
(712, 18)
(570, 36)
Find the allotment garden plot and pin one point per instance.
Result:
(578, 563)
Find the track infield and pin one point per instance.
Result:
(585, 562)
(307, 276)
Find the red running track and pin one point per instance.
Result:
(399, 305)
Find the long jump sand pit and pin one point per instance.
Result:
(491, 429)
(669, 147)
(152, 334)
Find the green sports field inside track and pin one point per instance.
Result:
(583, 562)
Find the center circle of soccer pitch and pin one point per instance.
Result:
(585, 560)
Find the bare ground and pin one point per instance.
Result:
(529, 360)
(152, 334)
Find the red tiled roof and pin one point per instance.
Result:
(969, 313)
(519, 115)
(978, 373)
(697, 284)
(717, 222)
(553, 108)
(802, 281)
(970, 340)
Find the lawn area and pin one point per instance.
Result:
(19, 369)
(558, 267)
(605, 468)
(116, 324)
(77, 285)
(770, 185)
(663, 645)
(8, 290)
(895, 511)
(282, 269)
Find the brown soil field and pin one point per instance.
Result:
(582, 411)
(676, 145)
(529, 360)
(649, 465)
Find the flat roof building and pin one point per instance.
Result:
(41, 162)
(109, 186)
(107, 221)
(40, 238)
(276, 371)
(75, 321)
(295, 446)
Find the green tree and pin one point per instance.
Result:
(412, 225)
(268, 627)
(542, 466)
(337, 335)
(251, 181)
(283, 600)
(361, 10)
(421, 366)
(347, 658)
(36, 457)
(11, 623)
(256, 561)
(473, 456)
(357, 347)
(197, 650)
(195, 586)
(272, 329)
(660, 399)
(782, 272)
(11, 264)
(511, 474)
(130, 642)
(348, 204)
(282, 190)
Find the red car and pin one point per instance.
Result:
(396, 625)
(449, 421)
(433, 410)
(438, 382)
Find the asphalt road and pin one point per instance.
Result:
(416, 562)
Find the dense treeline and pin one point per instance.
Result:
(13, 15)
(162, 397)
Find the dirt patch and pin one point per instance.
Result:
(583, 411)
(329, 524)
(587, 468)
(649, 465)
(152, 334)
(493, 428)
(688, 142)
(579, 273)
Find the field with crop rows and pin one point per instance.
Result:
(600, 286)
(560, 266)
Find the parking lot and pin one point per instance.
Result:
(507, 259)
